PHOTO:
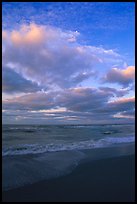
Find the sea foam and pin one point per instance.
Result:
(22, 149)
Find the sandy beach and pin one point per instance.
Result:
(104, 180)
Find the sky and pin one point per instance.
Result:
(68, 62)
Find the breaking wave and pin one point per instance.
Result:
(54, 147)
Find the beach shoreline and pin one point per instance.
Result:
(104, 180)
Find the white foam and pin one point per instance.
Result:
(52, 147)
(115, 140)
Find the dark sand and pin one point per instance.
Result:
(104, 180)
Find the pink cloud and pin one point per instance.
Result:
(123, 100)
(121, 76)
(50, 56)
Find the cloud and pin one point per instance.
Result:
(31, 101)
(117, 105)
(122, 104)
(75, 104)
(82, 98)
(125, 114)
(77, 78)
(74, 99)
(52, 57)
(12, 82)
(123, 77)
(46, 67)
(118, 93)
(4, 35)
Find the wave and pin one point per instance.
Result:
(26, 129)
(53, 147)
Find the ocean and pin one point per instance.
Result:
(32, 153)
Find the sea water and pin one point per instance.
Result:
(31, 153)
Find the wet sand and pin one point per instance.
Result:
(103, 180)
